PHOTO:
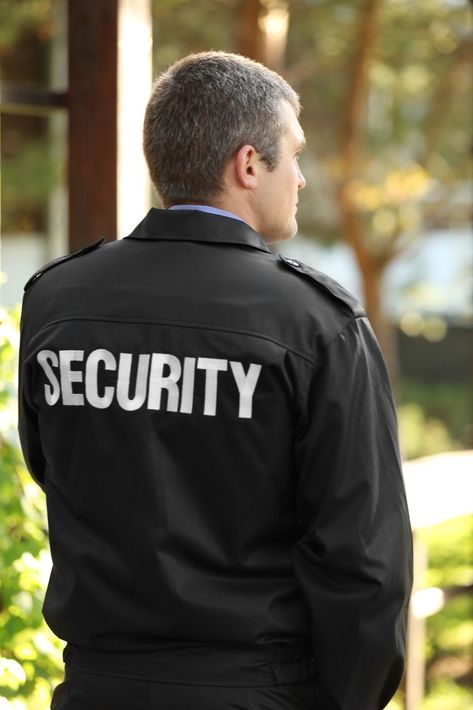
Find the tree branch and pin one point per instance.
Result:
(442, 100)
(351, 137)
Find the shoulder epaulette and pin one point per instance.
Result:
(327, 284)
(61, 260)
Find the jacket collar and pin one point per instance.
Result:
(196, 226)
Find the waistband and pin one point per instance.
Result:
(265, 665)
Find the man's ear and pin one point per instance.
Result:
(246, 167)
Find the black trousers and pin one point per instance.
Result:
(266, 681)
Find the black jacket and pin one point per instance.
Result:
(214, 430)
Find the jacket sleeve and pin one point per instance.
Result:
(354, 562)
(28, 425)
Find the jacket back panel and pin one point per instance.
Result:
(174, 373)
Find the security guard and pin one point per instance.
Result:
(214, 430)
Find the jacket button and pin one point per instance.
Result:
(293, 262)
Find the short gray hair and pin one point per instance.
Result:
(202, 110)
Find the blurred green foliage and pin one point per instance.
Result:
(29, 174)
(421, 434)
(447, 695)
(32, 173)
(15, 18)
(434, 417)
(30, 656)
(449, 646)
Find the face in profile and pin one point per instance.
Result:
(278, 189)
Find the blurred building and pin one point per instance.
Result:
(74, 81)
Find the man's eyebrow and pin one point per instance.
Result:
(301, 144)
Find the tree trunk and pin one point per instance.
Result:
(375, 310)
(372, 270)
(250, 35)
(262, 32)
(371, 265)
(355, 109)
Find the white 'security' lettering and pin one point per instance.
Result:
(156, 381)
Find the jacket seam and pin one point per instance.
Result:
(355, 317)
(329, 345)
(181, 324)
(162, 679)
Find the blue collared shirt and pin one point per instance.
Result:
(207, 208)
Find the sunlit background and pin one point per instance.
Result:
(386, 89)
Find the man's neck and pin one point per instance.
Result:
(239, 208)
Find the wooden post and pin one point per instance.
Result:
(135, 44)
(415, 664)
(92, 103)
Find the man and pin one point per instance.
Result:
(214, 430)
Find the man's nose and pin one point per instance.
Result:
(301, 179)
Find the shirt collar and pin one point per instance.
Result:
(192, 225)
(209, 209)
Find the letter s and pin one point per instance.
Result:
(48, 359)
